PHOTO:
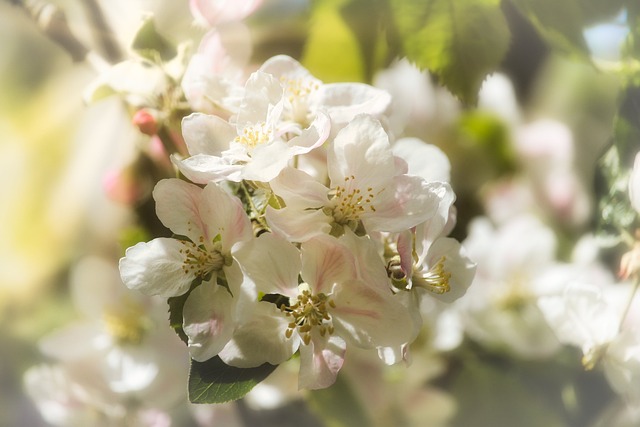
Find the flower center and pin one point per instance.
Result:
(297, 92)
(199, 261)
(310, 311)
(435, 280)
(127, 324)
(254, 135)
(350, 202)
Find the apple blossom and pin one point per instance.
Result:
(369, 188)
(257, 147)
(329, 308)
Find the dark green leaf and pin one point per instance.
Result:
(337, 406)
(560, 23)
(460, 41)
(150, 44)
(215, 382)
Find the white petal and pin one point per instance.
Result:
(361, 150)
(206, 134)
(281, 65)
(298, 188)
(456, 262)
(439, 223)
(261, 339)
(129, 369)
(313, 136)
(224, 214)
(405, 203)
(634, 184)
(267, 161)
(203, 168)
(208, 320)
(262, 100)
(73, 342)
(156, 268)
(346, 100)
(214, 13)
(320, 361)
(580, 316)
(177, 206)
(425, 160)
(272, 263)
(622, 364)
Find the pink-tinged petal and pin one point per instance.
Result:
(456, 262)
(345, 101)
(424, 160)
(312, 137)
(320, 361)
(208, 320)
(298, 188)
(405, 250)
(298, 225)
(634, 184)
(369, 264)
(369, 318)
(325, 262)
(216, 12)
(224, 215)
(361, 150)
(157, 268)
(203, 169)
(272, 263)
(206, 134)
(263, 100)
(177, 206)
(260, 339)
(405, 203)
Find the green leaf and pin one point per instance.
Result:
(337, 406)
(150, 44)
(559, 23)
(460, 41)
(332, 52)
(214, 381)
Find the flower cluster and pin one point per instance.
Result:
(302, 229)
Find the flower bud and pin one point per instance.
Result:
(144, 120)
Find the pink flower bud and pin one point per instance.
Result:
(146, 122)
(121, 186)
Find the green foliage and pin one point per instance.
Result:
(560, 23)
(616, 212)
(461, 42)
(332, 52)
(215, 382)
(150, 44)
(337, 406)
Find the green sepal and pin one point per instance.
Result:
(214, 381)
(150, 44)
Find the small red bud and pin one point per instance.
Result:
(146, 122)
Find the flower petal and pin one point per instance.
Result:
(361, 150)
(208, 320)
(177, 206)
(156, 268)
(344, 101)
(369, 318)
(272, 263)
(320, 361)
(207, 134)
(425, 160)
(203, 168)
(224, 215)
(260, 339)
(325, 262)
